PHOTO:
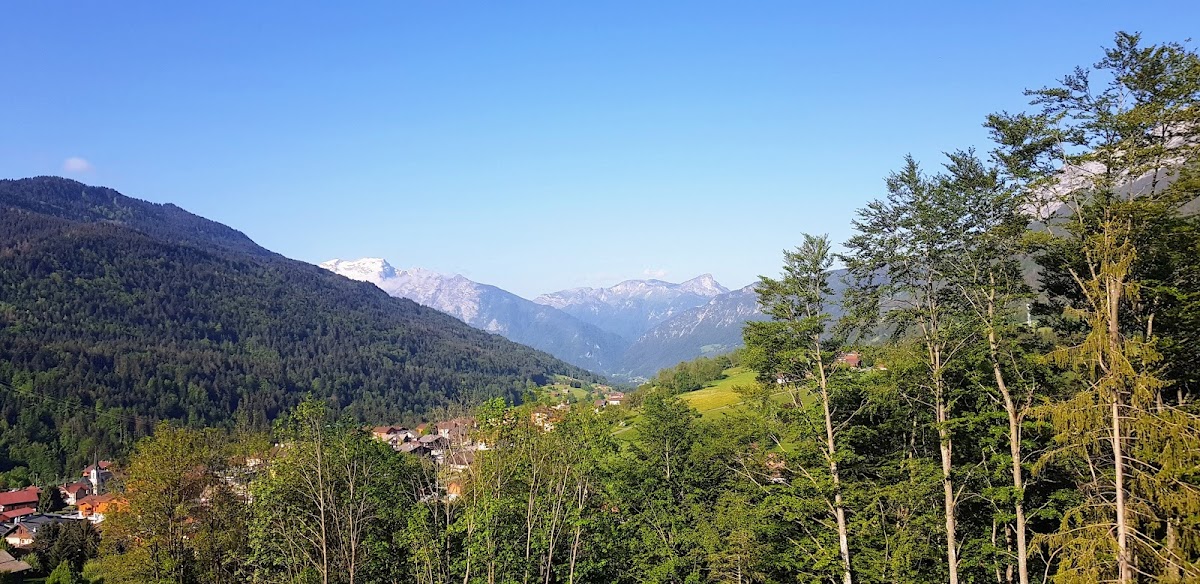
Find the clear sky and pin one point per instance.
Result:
(534, 146)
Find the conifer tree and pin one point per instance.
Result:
(1098, 158)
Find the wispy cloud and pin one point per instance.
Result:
(654, 273)
(76, 165)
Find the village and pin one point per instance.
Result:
(451, 446)
(25, 512)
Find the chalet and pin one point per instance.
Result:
(454, 490)
(22, 533)
(614, 398)
(10, 565)
(16, 499)
(436, 444)
(456, 431)
(852, 360)
(73, 492)
(94, 507)
(392, 434)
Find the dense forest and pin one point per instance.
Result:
(116, 313)
(1025, 410)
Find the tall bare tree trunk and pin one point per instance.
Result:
(1114, 291)
(1014, 447)
(945, 446)
(839, 510)
(1123, 560)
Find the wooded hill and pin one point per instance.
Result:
(115, 313)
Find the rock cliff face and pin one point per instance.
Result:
(633, 307)
(710, 329)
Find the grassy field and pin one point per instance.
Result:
(712, 401)
(719, 397)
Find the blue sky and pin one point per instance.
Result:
(534, 146)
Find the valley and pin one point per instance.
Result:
(981, 365)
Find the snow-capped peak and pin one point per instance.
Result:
(373, 270)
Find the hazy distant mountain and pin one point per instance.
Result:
(494, 310)
(710, 329)
(632, 329)
(633, 307)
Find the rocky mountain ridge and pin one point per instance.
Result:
(629, 330)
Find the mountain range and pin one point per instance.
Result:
(117, 312)
(494, 310)
(628, 331)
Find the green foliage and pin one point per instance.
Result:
(982, 424)
(64, 574)
(177, 520)
(107, 327)
(332, 504)
(694, 374)
(71, 543)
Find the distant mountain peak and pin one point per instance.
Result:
(374, 270)
(703, 285)
(491, 309)
(632, 307)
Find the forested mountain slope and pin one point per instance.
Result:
(115, 313)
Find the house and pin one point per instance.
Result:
(392, 434)
(18, 498)
(94, 507)
(22, 533)
(434, 443)
(10, 565)
(614, 398)
(852, 359)
(414, 447)
(73, 492)
(454, 490)
(456, 431)
(461, 461)
(18, 536)
(12, 515)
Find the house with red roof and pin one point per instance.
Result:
(9, 516)
(73, 492)
(16, 499)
